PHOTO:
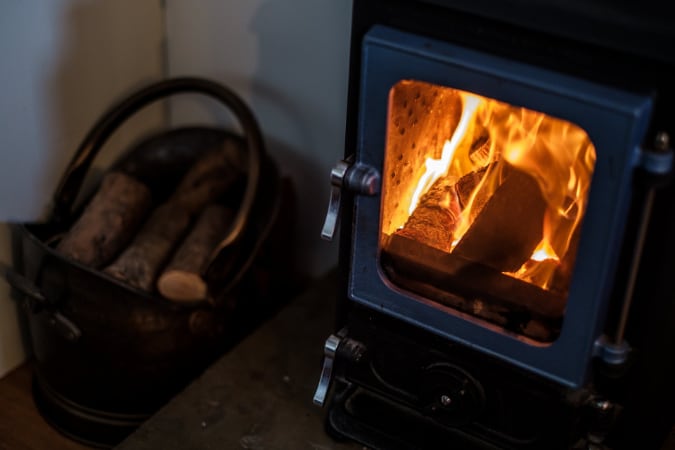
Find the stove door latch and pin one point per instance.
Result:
(354, 177)
(329, 351)
(344, 348)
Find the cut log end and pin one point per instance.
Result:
(182, 278)
(181, 286)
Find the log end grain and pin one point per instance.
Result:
(181, 286)
(182, 279)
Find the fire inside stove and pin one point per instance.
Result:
(482, 205)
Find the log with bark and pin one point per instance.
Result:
(182, 279)
(108, 222)
(138, 264)
(211, 176)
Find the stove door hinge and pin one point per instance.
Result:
(657, 160)
(336, 345)
(348, 176)
(614, 352)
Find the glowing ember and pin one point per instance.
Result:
(543, 252)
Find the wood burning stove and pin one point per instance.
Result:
(504, 196)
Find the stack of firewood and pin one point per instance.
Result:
(166, 246)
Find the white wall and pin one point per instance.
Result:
(63, 63)
(66, 61)
(288, 59)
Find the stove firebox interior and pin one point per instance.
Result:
(506, 202)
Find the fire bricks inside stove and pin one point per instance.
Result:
(507, 213)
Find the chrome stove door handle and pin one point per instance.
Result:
(337, 176)
(329, 351)
(359, 178)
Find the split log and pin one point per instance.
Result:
(509, 227)
(208, 179)
(434, 220)
(182, 279)
(479, 153)
(466, 186)
(108, 222)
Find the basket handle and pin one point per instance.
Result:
(70, 184)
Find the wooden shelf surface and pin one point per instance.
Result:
(21, 425)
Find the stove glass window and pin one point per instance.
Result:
(482, 205)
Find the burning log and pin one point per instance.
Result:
(182, 279)
(205, 182)
(423, 117)
(509, 226)
(466, 186)
(433, 221)
(406, 260)
(108, 222)
(479, 154)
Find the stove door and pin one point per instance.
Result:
(504, 196)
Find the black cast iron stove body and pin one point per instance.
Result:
(521, 296)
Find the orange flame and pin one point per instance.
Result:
(543, 252)
(436, 168)
(557, 154)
